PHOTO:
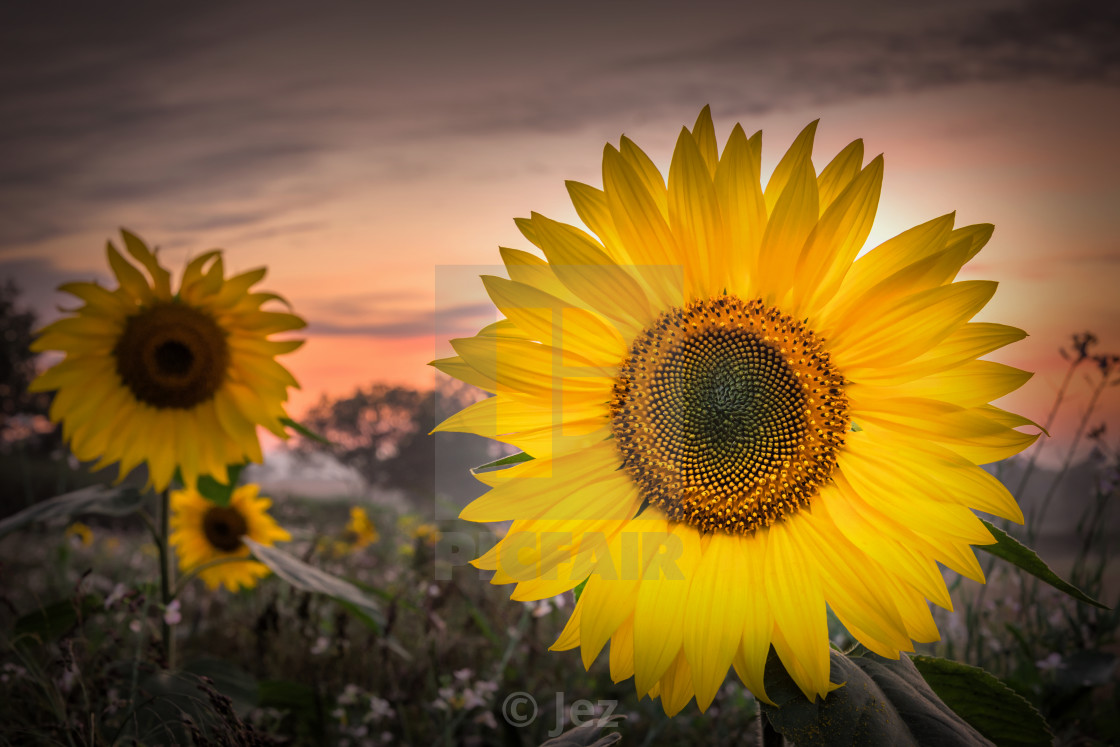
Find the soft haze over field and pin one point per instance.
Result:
(360, 150)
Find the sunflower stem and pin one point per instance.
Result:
(165, 575)
(769, 736)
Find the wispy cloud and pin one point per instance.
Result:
(454, 321)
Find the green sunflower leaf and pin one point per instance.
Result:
(1010, 549)
(306, 432)
(504, 462)
(95, 499)
(578, 591)
(881, 701)
(217, 492)
(993, 708)
(309, 578)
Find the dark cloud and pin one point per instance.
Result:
(453, 321)
(131, 108)
(38, 281)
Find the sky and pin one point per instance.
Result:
(373, 156)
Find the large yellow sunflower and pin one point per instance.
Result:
(171, 379)
(734, 421)
(204, 532)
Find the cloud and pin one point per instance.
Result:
(216, 115)
(454, 321)
(38, 280)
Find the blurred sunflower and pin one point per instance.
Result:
(734, 421)
(360, 531)
(169, 379)
(80, 534)
(202, 532)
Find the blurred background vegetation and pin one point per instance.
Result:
(80, 662)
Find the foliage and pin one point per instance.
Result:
(17, 362)
(383, 432)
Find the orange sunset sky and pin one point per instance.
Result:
(373, 156)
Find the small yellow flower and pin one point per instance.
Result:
(80, 534)
(203, 532)
(360, 531)
(428, 533)
(171, 379)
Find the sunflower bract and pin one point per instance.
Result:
(171, 379)
(734, 420)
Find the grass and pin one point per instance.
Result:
(81, 666)
(289, 667)
(81, 661)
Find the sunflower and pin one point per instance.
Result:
(174, 380)
(204, 532)
(360, 531)
(736, 420)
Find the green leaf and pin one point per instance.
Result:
(504, 462)
(579, 589)
(993, 708)
(219, 493)
(1010, 549)
(57, 619)
(309, 578)
(95, 499)
(306, 432)
(882, 701)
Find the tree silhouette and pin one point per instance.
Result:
(17, 362)
(382, 431)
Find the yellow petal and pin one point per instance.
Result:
(835, 241)
(582, 266)
(793, 588)
(794, 160)
(591, 207)
(742, 209)
(555, 322)
(716, 613)
(695, 220)
(659, 612)
(903, 330)
(792, 218)
(839, 172)
(130, 279)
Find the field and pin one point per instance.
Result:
(451, 661)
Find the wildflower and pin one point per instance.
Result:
(169, 379)
(173, 614)
(427, 533)
(1053, 661)
(734, 422)
(79, 534)
(203, 532)
(379, 709)
(360, 531)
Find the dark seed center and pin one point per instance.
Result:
(174, 358)
(224, 527)
(172, 355)
(728, 414)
